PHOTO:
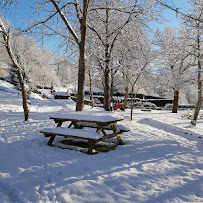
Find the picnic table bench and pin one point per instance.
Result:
(106, 128)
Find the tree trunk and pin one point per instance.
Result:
(199, 102)
(91, 93)
(132, 103)
(24, 96)
(42, 93)
(199, 79)
(82, 60)
(107, 102)
(81, 79)
(175, 101)
(126, 97)
(112, 86)
(82, 49)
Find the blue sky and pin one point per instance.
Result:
(170, 16)
(20, 12)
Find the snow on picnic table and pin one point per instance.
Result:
(99, 116)
(73, 132)
(161, 160)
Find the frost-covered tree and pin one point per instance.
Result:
(108, 24)
(194, 26)
(71, 20)
(4, 60)
(64, 70)
(134, 56)
(5, 32)
(19, 47)
(39, 64)
(68, 18)
(175, 58)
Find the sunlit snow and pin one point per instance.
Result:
(161, 159)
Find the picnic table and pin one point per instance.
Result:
(106, 127)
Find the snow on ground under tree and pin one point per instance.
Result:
(161, 160)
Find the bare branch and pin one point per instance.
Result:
(40, 23)
(56, 33)
(177, 11)
(43, 22)
(114, 9)
(78, 10)
(91, 28)
(113, 42)
(65, 20)
(100, 16)
(6, 3)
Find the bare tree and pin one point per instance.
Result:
(175, 56)
(91, 91)
(75, 15)
(39, 65)
(66, 12)
(135, 56)
(195, 28)
(111, 20)
(82, 18)
(6, 3)
(6, 37)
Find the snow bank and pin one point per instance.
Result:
(7, 87)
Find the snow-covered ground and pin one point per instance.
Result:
(161, 160)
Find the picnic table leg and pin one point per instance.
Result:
(70, 124)
(99, 128)
(119, 140)
(75, 125)
(51, 140)
(113, 128)
(59, 124)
